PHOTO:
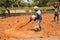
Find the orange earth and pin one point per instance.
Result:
(10, 27)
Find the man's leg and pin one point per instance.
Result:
(57, 17)
(54, 17)
(37, 26)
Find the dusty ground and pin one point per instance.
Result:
(9, 26)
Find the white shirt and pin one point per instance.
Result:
(38, 12)
(56, 10)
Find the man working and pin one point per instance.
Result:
(36, 17)
(37, 26)
(56, 10)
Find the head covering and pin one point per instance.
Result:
(35, 7)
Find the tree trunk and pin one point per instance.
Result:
(8, 12)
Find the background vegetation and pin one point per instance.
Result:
(44, 5)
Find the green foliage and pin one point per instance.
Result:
(9, 3)
(2, 11)
(43, 2)
(40, 2)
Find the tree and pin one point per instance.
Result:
(2, 2)
(40, 2)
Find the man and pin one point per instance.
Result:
(36, 17)
(37, 26)
(56, 15)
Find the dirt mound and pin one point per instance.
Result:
(9, 26)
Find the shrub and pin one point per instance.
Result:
(3, 12)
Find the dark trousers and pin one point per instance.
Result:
(56, 16)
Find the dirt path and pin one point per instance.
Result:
(9, 26)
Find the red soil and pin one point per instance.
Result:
(9, 26)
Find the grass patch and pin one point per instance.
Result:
(43, 9)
